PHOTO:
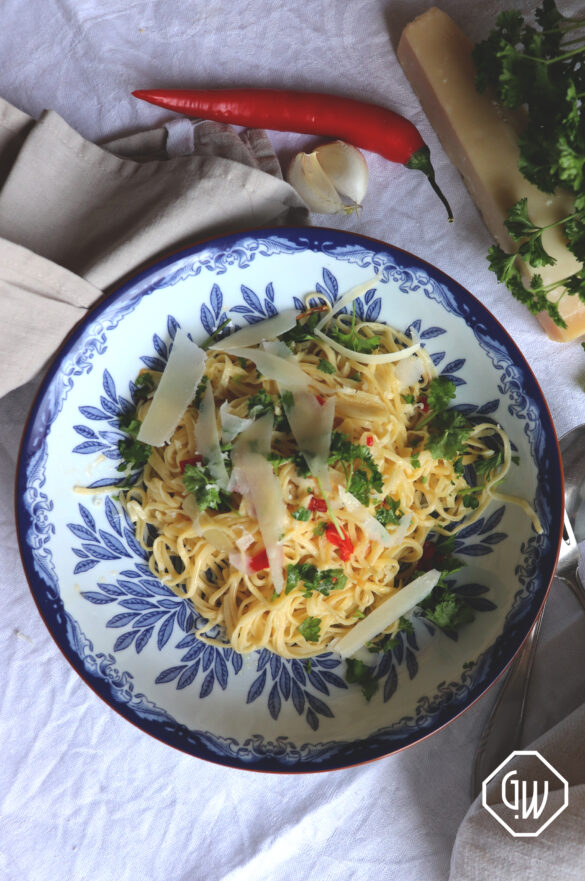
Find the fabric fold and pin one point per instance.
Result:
(485, 850)
(99, 212)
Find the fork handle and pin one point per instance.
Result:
(499, 740)
(573, 580)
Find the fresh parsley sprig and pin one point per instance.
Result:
(541, 68)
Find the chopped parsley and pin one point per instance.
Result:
(362, 674)
(200, 391)
(259, 404)
(287, 398)
(363, 480)
(351, 339)
(325, 366)
(448, 435)
(387, 642)
(134, 453)
(208, 495)
(445, 608)
(262, 402)
(302, 514)
(304, 329)
(310, 629)
(448, 428)
(322, 581)
(441, 390)
(144, 385)
(485, 466)
(359, 486)
(389, 512)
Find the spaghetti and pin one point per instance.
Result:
(400, 467)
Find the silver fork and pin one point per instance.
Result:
(503, 731)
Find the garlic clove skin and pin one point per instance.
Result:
(306, 175)
(346, 168)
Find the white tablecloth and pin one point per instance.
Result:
(83, 794)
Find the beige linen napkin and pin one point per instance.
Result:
(486, 851)
(76, 217)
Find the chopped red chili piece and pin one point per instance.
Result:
(344, 545)
(425, 404)
(370, 440)
(431, 556)
(316, 504)
(321, 399)
(194, 460)
(259, 561)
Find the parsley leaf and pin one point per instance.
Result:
(389, 512)
(325, 366)
(208, 495)
(200, 391)
(310, 629)
(441, 390)
(359, 486)
(134, 453)
(448, 428)
(445, 608)
(302, 514)
(342, 450)
(448, 434)
(144, 385)
(304, 329)
(321, 581)
(259, 404)
(359, 672)
(351, 339)
(262, 402)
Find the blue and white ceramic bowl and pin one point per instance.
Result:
(133, 641)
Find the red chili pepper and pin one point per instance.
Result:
(194, 460)
(370, 440)
(321, 399)
(259, 561)
(424, 404)
(344, 545)
(431, 556)
(316, 504)
(362, 124)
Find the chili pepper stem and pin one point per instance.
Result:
(421, 161)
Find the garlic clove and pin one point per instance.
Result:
(313, 185)
(330, 177)
(346, 168)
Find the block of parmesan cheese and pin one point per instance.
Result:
(481, 140)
